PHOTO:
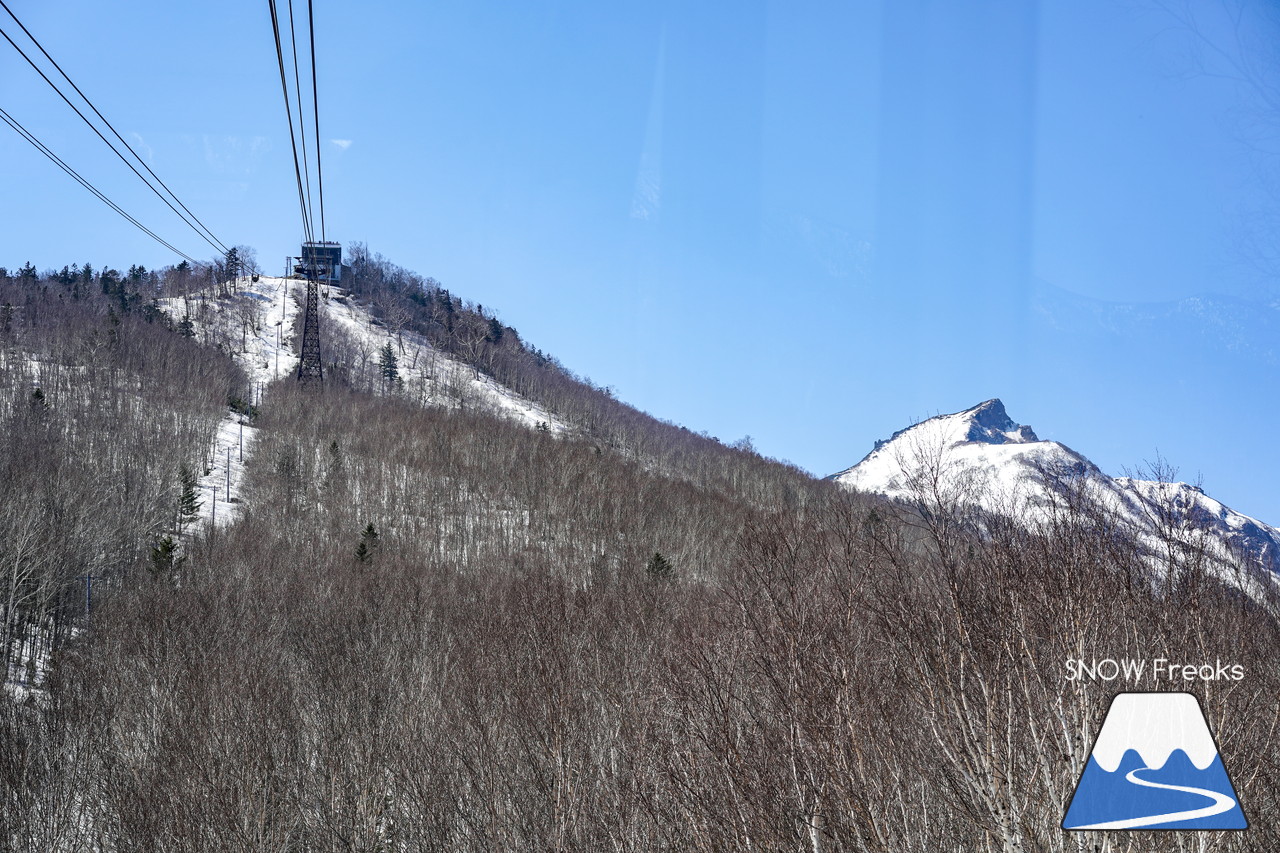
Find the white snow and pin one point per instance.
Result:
(1154, 724)
(1009, 471)
(427, 375)
(937, 460)
(41, 372)
(29, 665)
(253, 322)
(222, 481)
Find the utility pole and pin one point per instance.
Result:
(88, 592)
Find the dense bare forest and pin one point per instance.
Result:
(432, 629)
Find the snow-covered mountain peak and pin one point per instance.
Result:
(980, 457)
(991, 424)
(984, 424)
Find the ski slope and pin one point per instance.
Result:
(427, 375)
(221, 483)
(254, 321)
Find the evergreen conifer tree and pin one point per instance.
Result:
(659, 567)
(188, 500)
(368, 544)
(333, 471)
(233, 263)
(389, 366)
(164, 557)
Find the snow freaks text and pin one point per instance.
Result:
(1159, 670)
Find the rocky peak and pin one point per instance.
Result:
(989, 423)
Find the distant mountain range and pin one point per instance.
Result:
(983, 458)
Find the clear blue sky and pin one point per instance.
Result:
(808, 222)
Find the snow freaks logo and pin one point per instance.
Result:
(1154, 766)
(1160, 670)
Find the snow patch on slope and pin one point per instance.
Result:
(254, 322)
(29, 666)
(427, 375)
(222, 481)
(251, 320)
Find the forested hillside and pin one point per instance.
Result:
(102, 406)
(438, 629)
(405, 300)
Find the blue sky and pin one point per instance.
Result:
(812, 223)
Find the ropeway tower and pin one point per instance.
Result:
(310, 367)
(319, 261)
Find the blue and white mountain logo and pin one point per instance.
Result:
(1154, 766)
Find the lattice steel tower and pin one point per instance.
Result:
(320, 261)
(310, 367)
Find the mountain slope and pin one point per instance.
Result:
(255, 321)
(980, 457)
(433, 628)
